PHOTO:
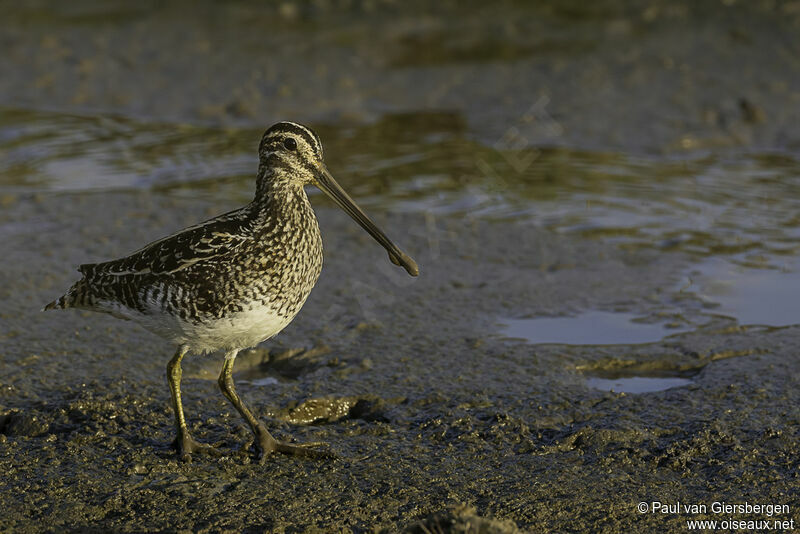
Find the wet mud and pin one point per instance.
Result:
(438, 419)
(422, 414)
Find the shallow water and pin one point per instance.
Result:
(736, 215)
(637, 384)
(743, 207)
(44, 151)
(754, 294)
(590, 328)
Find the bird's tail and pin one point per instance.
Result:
(59, 304)
(69, 299)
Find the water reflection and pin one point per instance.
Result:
(637, 384)
(709, 206)
(590, 328)
(56, 152)
(752, 294)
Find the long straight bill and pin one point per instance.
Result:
(329, 186)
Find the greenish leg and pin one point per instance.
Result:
(264, 440)
(184, 442)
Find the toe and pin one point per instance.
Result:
(318, 450)
(187, 446)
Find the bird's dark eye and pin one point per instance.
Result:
(290, 143)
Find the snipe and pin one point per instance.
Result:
(233, 281)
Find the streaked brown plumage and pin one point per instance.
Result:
(235, 280)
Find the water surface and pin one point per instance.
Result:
(590, 328)
(734, 213)
(637, 384)
(738, 204)
(764, 293)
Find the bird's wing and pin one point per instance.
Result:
(178, 251)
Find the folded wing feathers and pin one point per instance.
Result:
(163, 257)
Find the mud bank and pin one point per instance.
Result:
(423, 413)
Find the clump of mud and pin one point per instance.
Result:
(460, 519)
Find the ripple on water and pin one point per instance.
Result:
(720, 205)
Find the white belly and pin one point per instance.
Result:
(239, 331)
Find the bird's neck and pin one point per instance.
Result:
(280, 199)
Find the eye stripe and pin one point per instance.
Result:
(315, 142)
(282, 128)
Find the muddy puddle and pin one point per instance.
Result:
(637, 384)
(590, 328)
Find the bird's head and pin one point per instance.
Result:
(290, 155)
(292, 151)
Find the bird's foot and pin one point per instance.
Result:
(268, 445)
(187, 445)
